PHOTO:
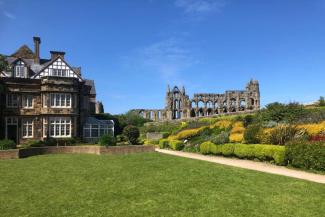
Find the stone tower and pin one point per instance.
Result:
(253, 95)
(177, 103)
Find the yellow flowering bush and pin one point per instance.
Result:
(237, 127)
(236, 137)
(264, 135)
(184, 134)
(313, 129)
(208, 120)
(222, 124)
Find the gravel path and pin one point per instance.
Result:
(251, 165)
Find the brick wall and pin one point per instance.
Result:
(9, 154)
(22, 153)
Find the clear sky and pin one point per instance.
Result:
(134, 48)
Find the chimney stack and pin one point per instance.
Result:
(37, 42)
(55, 54)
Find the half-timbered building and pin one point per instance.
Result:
(41, 98)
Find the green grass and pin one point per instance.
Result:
(149, 184)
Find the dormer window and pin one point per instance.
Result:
(20, 70)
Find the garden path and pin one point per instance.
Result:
(251, 165)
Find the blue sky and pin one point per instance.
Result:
(133, 49)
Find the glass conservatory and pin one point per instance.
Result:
(95, 128)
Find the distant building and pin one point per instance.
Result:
(179, 106)
(44, 98)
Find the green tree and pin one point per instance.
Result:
(4, 65)
(132, 134)
(321, 101)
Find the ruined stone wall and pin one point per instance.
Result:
(180, 106)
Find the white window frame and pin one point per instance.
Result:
(99, 127)
(27, 125)
(60, 100)
(11, 102)
(57, 125)
(28, 101)
(20, 69)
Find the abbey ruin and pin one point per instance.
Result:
(178, 105)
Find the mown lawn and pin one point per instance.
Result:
(149, 184)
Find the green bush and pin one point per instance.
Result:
(248, 120)
(50, 142)
(262, 152)
(121, 138)
(306, 154)
(227, 149)
(163, 143)
(251, 134)
(33, 143)
(7, 144)
(221, 138)
(207, 147)
(176, 145)
(165, 134)
(194, 148)
(107, 140)
(67, 141)
(132, 134)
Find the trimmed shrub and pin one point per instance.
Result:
(227, 149)
(306, 154)
(132, 134)
(107, 140)
(163, 143)
(221, 138)
(262, 152)
(208, 148)
(176, 145)
(33, 143)
(7, 144)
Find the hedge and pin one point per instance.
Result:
(163, 143)
(176, 144)
(262, 152)
(306, 154)
(7, 144)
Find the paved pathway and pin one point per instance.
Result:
(251, 165)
